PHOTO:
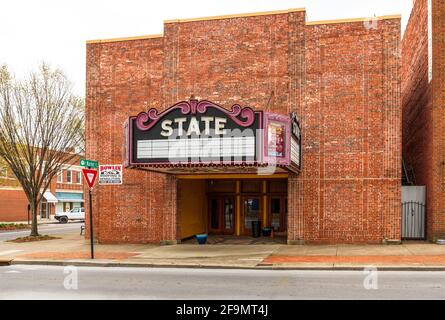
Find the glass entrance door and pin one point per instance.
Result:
(221, 215)
(278, 213)
(251, 212)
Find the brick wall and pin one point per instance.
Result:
(13, 205)
(436, 223)
(124, 78)
(423, 113)
(349, 190)
(229, 61)
(342, 79)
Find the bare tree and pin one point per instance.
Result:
(41, 128)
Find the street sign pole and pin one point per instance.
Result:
(90, 176)
(91, 224)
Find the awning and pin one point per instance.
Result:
(69, 197)
(50, 197)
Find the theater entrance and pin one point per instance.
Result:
(224, 206)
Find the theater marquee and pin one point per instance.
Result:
(201, 136)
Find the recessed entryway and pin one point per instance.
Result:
(232, 207)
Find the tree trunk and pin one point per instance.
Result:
(34, 231)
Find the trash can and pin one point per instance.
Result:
(256, 229)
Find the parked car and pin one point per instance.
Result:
(73, 214)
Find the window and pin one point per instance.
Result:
(78, 177)
(69, 178)
(60, 176)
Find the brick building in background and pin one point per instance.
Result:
(341, 78)
(423, 101)
(64, 193)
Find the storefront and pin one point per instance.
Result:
(211, 150)
(224, 121)
(68, 200)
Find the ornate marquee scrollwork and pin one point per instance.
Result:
(244, 117)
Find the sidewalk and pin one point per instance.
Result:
(72, 249)
(39, 221)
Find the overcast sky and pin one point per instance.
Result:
(55, 31)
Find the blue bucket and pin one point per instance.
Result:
(267, 232)
(202, 238)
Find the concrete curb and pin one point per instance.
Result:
(5, 262)
(120, 264)
(356, 268)
(184, 266)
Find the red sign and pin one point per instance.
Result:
(90, 176)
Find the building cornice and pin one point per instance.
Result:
(311, 23)
(239, 15)
(152, 36)
(243, 15)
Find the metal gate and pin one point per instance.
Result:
(413, 220)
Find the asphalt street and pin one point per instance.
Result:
(52, 282)
(48, 229)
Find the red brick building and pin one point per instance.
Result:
(341, 78)
(423, 98)
(64, 193)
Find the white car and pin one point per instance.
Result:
(73, 214)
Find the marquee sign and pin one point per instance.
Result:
(201, 135)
